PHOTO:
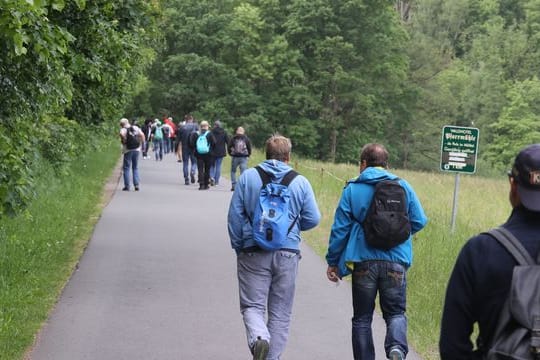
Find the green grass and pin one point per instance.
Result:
(482, 204)
(39, 249)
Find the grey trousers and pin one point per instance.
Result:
(266, 284)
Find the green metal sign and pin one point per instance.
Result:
(459, 149)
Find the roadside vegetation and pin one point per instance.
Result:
(40, 248)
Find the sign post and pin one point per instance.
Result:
(459, 148)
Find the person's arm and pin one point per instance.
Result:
(142, 138)
(237, 218)
(458, 314)
(230, 145)
(212, 141)
(248, 146)
(341, 228)
(417, 216)
(310, 216)
(123, 135)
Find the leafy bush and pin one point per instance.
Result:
(59, 140)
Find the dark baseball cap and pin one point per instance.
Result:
(526, 172)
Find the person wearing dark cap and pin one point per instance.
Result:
(481, 278)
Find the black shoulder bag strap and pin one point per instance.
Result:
(512, 245)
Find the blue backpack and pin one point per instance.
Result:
(158, 135)
(271, 223)
(202, 145)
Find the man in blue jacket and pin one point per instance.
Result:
(480, 281)
(267, 279)
(373, 269)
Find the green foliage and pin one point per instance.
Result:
(284, 66)
(16, 176)
(58, 142)
(518, 125)
(64, 65)
(39, 249)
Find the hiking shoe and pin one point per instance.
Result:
(260, 349)
(396, 354)
(125, 188)
(193, 178)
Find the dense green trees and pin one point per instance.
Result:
(333, 75)
(325, 73)
(67, 69)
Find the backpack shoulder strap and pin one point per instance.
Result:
(288, 178)
(512, 245)
(266, 179)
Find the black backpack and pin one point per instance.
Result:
(517, 335)
(132, 138)
(387, 220)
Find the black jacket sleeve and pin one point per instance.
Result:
(248, 146)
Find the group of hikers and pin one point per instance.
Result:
(199, 148)
(371, 239)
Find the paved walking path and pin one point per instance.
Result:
(158, 281)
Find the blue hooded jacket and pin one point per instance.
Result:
(246, 197)
(347, 244)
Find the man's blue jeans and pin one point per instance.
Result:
(131, 162)
(215, 170)
(266, 282)
(390, 280)
(238, 162)
(158, 149)
(187, 156)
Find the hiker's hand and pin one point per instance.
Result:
(332, 273)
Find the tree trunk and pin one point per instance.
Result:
(333, 145)
(403, 7)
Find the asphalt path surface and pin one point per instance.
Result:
(158, 281)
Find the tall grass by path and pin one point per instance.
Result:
(40, 248)
(482, 204)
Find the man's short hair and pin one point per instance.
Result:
(374, 155)
(124, 122)
(278, 148)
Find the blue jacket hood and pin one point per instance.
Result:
(275, 168)
(372, 175)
